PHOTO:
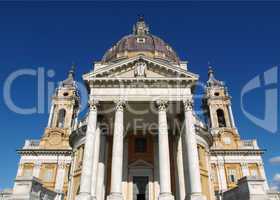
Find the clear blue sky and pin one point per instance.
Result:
(241, 40)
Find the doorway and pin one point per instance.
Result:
(140, 188)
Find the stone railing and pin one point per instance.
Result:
(31, 144)
(27, 188)
(273, 195)
(248, 144)
(6, 194)
(248, 188)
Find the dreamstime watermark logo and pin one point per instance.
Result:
(270, 120)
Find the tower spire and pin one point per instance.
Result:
(140, 18)
(70, 80)
(210, 71)
(212, 81)
(72, 70)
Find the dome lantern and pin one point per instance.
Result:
(141, 41)
(140, 28)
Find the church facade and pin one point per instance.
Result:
(141, 138)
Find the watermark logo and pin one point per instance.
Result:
(45, 90)
(270, 120)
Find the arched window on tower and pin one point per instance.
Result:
(61, 118)
(221, 118)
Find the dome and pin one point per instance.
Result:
(141, 42)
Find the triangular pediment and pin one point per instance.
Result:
(141, 67)
(140, 164)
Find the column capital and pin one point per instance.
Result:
(188, 104)
(93, 104)
(62, 165)
(120, 104)
(221, 164)
(161, 104)
(260, 164)
(244, 164)
(37, 163)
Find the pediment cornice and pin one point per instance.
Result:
(166, 70)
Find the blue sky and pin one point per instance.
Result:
(241, 40)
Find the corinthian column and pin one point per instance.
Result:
(117, 154)
(86, 177)
(164, 160)
(192, 170)
(100, 185)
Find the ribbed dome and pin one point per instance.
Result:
(141, 42)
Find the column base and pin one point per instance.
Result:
(195, 197)
(85, 196)
(166, 196)
(115, 196)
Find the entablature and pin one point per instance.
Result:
(140, 94)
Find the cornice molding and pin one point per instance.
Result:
(107, 68)
(66, 152)
(215, 152)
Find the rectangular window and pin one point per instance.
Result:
(254, 172)
(27, 172)
(140, 145)
(140, 40)
(232, 175)
(48, 175)
(27, 169)
(253, 169)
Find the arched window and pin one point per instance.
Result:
(61, 118)
(221, 118)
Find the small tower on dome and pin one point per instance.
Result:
(217, 104)
(64, 112)
(140, 28)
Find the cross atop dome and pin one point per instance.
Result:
(141, 28)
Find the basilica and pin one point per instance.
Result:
(141, 138)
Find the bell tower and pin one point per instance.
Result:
(63, 115)
(216, 104)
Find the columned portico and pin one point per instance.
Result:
(193, 168)
(164, 159)
(86, 177)
(117, 154)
